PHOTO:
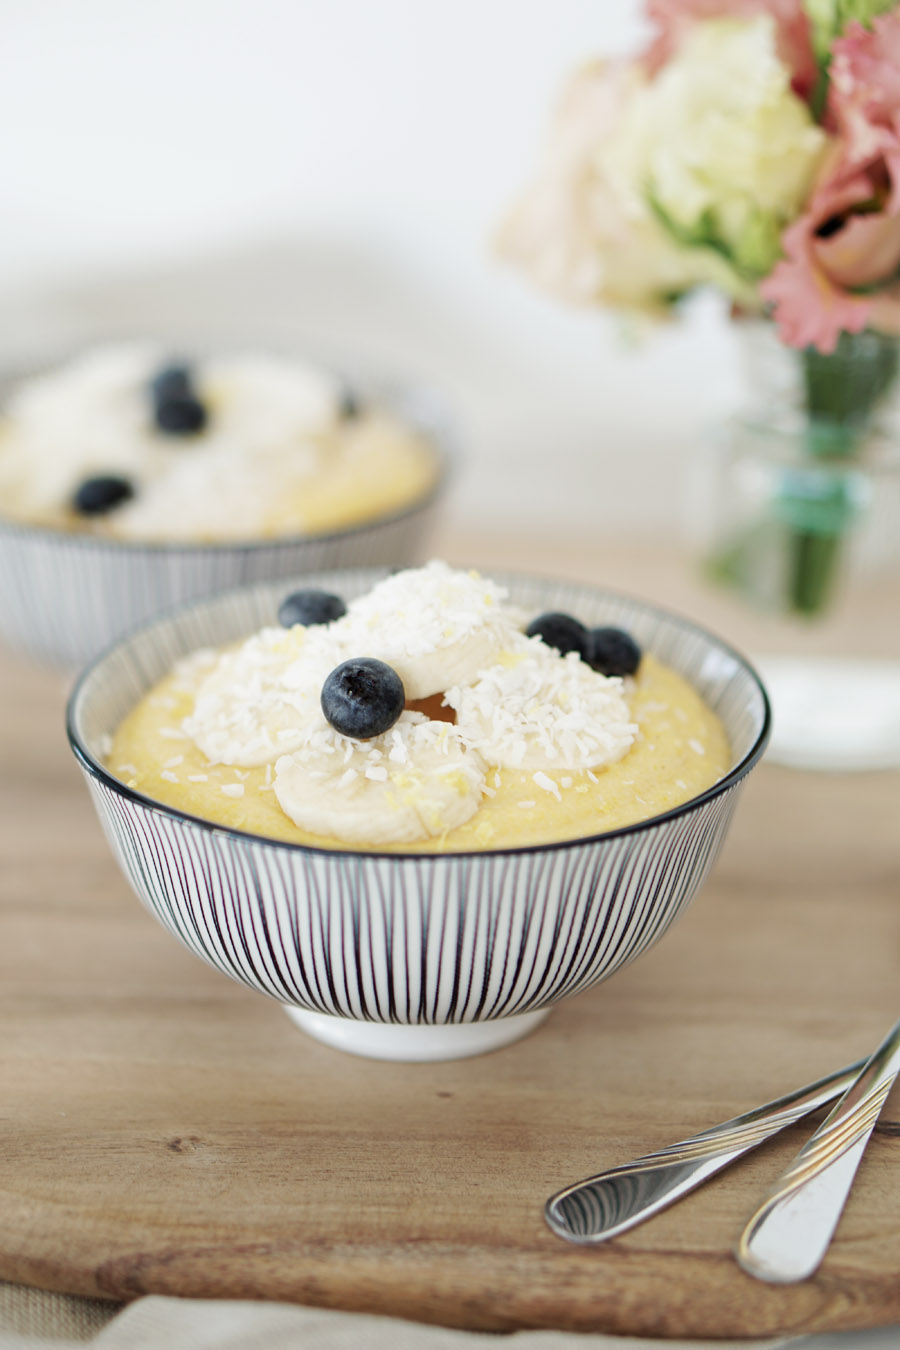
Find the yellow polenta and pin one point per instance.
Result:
(681, 749)
(367, 470)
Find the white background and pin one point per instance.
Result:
(332, 171)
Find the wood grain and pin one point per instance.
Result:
(163, 1130)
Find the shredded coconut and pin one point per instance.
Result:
(436, 625)
(544, 781)
(261, 698)
(377, 796)
(537, 710)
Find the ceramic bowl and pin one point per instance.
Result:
(414, 956)
(65, 596)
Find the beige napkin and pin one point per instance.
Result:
(31, 1319)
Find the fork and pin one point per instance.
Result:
(787, 1237)
(611, 1202)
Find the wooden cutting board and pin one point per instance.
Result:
(163, 1130)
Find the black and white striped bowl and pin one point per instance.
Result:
(65, 596)
(414, 956)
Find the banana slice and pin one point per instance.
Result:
(413, 782)
(261, 699)
(535, 709)
(437, 626)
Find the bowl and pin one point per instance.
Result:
(414, 956)
(66, 595)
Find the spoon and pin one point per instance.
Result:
(610, 1203)
(788, 1236)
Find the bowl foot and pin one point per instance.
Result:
(380, 1040)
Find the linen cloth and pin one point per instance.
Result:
(33, 1319)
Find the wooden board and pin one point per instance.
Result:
(164, 1130)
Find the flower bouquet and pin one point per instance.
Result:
(754, 147)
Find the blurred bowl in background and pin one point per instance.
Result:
(66, 594)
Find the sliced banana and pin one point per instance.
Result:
(534, 709)
(415, 781)
(435, 625)
(261, 699)
(432, 672)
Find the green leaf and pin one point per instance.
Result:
(843, 389)
(829, 18)
(759, 246)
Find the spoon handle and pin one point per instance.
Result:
(788, 1236)
(605, 1205)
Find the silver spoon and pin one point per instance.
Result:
(612, 1202)
(789, 1234)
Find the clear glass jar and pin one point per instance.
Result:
(797, 513)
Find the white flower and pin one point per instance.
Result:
(719, 144)
(584, 230)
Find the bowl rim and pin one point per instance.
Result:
(751, 757)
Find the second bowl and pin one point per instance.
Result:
(66, 594)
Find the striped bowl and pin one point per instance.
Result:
(414, 956)
(66, 596)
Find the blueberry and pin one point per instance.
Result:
(180, 416)
(173, 381)
(611, 651)
(363, 697)
(310, 607)
(349, 403)
(177, 410)
(95, 496)
(560, 631)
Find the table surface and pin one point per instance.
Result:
(160, 1108)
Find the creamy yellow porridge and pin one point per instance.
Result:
(126, 442)
(541, 746)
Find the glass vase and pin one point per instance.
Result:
(800, 517)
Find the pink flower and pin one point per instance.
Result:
(833, 251)
(811, 307)
(842, 264)
(674, 17)
(864, 98)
